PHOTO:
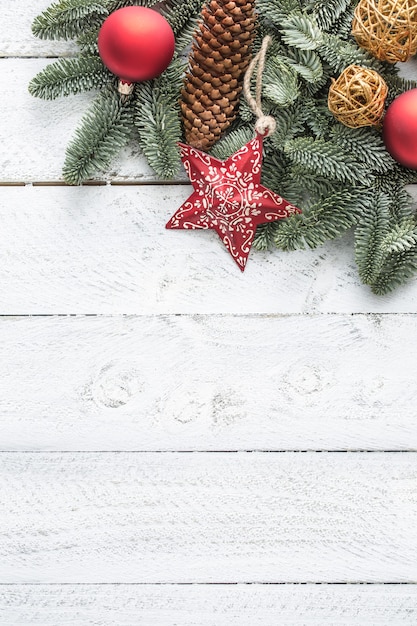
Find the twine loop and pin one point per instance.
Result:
(265, 124)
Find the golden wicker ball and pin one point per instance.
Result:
(387, 28)
(357, 97)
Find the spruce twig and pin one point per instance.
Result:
(68, 18)
(157, 119)
(70, 76)
(104, 131)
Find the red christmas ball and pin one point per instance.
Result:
(400, 129)
(136, 43)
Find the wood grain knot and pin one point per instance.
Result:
(188, 403)
(116, 384)
(307, 379)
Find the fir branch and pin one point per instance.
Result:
(325, 220)
(301, 31)
(115, 5)
(69, 76)
(280, 82)
(366, 145)
(370, 233)
(401, 238)
(104, 131)
(316, 187)
(329, 11)
(339, 54)
(264, 237)
(317, 116)
(401, 207)
(275, 11)
(88, 41)
(290, 123)
(183, 19)
(395, 179)
(396, 271)
(157, 118)
(397, 85)
(68, 18)
(277, 175)
(308, 64)
(327, 159)
(343, 26)
(232, 142)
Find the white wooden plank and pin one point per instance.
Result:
(16, 39)
(37, 131)
(209, 605)
(183, 518)
(208, 383)
(106, 250)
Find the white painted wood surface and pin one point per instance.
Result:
(208, 383)
(36, 152)
(105, 250)
(16, 39)
(213, 605)
(208, 517)
(209, 359)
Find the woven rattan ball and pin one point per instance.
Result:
(387, 28)
(357, 97)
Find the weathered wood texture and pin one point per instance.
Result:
(162, 382)
(208, 383)
(16, 39)
(37, 151)
(181, 518)
(214, 605)
(106, 250)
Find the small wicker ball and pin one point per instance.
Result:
(387, 28)
(357, 97)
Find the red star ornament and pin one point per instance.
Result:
(229, 198)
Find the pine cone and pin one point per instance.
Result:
(220, 55)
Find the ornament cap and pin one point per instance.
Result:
(125, 88)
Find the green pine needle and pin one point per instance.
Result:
(371, 231)
(325, 220)
(69, 76)
(328, 12)
(301, 31)
(157, 118)
(68, 18)
(367, 146)
(396, 271)
(105, 129)
(327, 159)
(280, 82)
(183, 20)
(115, 5)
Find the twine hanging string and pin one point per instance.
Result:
(265, 124)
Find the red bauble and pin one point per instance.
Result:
(136, 43)
(400, 129)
